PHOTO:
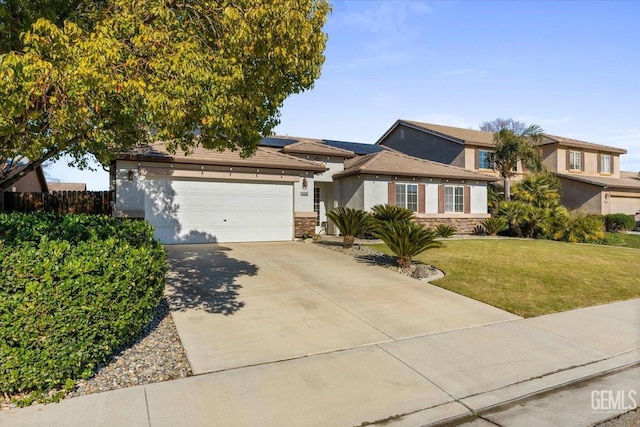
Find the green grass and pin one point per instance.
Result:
(535, 277)
(632, 240)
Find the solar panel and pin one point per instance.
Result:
(273, 141)
(356, 147)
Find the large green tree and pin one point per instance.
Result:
(97, 77)
(512, 148)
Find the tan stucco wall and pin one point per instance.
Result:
(550, 157)
(27, 184)
(581, 196)
(555, 158)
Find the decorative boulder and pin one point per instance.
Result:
(422, 271)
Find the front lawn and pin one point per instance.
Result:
(631, 240)
(535, 277)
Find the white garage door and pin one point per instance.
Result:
(190, 211)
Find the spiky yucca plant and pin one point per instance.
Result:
(494, 225)
(445, 230)
(405, 239)
(351, 223)
(391, 213)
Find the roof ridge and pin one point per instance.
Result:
(319, 143)
(370, 161)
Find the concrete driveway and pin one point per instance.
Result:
(380, 349)
(252, 303)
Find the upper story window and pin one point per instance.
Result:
(605, 163)
(454, 198)
(407, 196)
(485, 159)
(574, 161)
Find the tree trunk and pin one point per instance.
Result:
(507, 189)
(348, 241)
(404, 262)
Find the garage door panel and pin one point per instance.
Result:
(188, 211)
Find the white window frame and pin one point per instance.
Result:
(605, 166)
(405, 198)
(454, 198)
(575, 160)
(487, 161)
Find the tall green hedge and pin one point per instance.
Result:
(619, 222)
(73, 290)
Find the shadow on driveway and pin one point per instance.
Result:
(204, 277)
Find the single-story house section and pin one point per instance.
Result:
(211, 196)
(600, 195)
(285, 190)
(437, 193)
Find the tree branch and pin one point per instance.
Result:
(9, 181)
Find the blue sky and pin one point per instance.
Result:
(571, 67)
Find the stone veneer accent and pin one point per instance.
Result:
(304, 225)
(462, 225)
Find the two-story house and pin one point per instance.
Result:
(589, 173)
(465, 148)
(590, 176)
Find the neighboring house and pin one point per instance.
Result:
(32, 182)
(590, 176)
(589, 173)
(465, 148)
(67, 186)
(285, 189)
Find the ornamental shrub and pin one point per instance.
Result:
(351, 223)
(619, 222)
(73, 291)
(493, 226)
(391, 213)
(406, 239)
(445, 230)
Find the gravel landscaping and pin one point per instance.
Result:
(365, 253)
(157, 355)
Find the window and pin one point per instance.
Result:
(605, 163)
(575, 160)
(407, 196)
(485, 159)
(454, 198)
(316, 204)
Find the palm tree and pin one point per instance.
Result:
(514, 147)
(580, 228)
(541, 190)
(391, 213)
(405, 239)
(351, 223)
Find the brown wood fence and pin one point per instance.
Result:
(63, 202)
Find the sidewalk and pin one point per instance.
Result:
(414, 381)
